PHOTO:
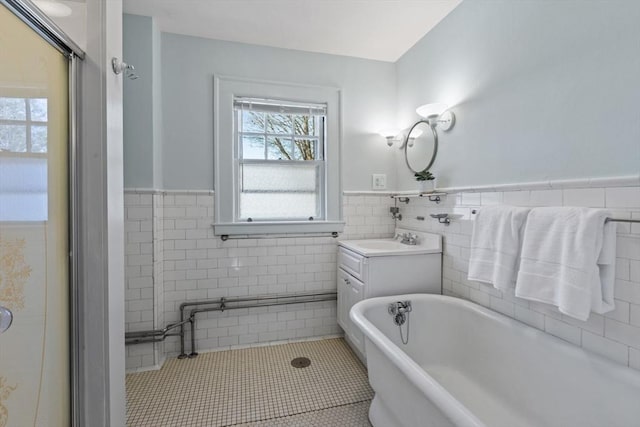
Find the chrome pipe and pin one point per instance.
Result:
(154, 332)
(254, 298)
(622, 220)
(144, 340)
(193, 337)
(209, 309)
(331, 296)
(225, 237)
(607, 219)
(224, 301)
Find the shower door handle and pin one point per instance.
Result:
(6, 318)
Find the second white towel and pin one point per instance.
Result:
(568, 260)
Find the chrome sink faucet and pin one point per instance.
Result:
(408, 238)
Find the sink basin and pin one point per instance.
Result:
(389, 245)
(427, 244)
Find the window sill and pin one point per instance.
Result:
(279, 227)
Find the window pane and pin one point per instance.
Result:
(38, 109)
(253, 147)
(305, 149)
(13, 109)
(252, 122)
(23, 189)
(38, 139)
(13, 138)
(279, 178)
(279, 123)
(278, 206)
(279, 148)
(279, 191)
(305, 125)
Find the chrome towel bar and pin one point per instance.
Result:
(608, 219)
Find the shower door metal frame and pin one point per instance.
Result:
(26, 11)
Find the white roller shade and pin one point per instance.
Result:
(284, 107)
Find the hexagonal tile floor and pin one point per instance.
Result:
(254, 387)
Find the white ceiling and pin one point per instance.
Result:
(372, 29)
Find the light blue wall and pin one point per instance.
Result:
(138, 102)
(541, 89)
(188, 66)
(156, 46)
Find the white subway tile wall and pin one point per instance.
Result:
(144, 275)
(615, 335)
(173, 257)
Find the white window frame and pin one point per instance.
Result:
(226, 90)
(320, 161)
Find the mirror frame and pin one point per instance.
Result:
(435, 146)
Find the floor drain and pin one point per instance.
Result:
(300, 362)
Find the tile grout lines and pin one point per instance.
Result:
(246, 386)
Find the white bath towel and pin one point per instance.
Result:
(568, 260)
(495, 245)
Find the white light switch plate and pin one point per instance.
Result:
(379, 181)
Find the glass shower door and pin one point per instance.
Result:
(34, 237)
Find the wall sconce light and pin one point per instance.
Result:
(412, 138)
(437, 114)
(391, 135)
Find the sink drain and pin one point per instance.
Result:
(300, 362)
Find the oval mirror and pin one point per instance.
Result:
(420, 147)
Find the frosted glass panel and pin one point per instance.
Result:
(278, 205)
(276, 191)
(23, 189)
(279, 177)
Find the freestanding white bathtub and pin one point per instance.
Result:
(465, 365)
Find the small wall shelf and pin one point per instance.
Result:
(433, 196)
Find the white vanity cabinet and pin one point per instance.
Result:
(382, 267)
(350, 291)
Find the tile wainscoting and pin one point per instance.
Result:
(615, 335)
(173, 257)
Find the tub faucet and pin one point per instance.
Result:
(400, 312)
(409, 238)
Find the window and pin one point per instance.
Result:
(276, 158)
(280, 148)
(23, 159)
(23, 125)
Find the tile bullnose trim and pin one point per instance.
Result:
(614, 181)
(368, 193)
(160, 191)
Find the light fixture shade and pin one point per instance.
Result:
(429, 110)
(54, 9)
